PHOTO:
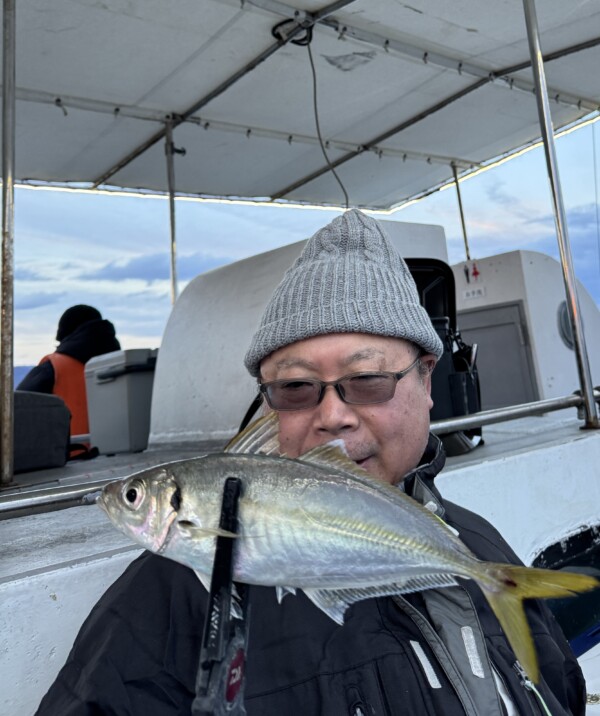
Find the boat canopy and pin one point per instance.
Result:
(404, 93)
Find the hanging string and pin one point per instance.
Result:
(316, 110)
(279, 33)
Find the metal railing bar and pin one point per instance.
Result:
(511, 412)
(51, 498)
(61, 497)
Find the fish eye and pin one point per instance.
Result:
(134, 493)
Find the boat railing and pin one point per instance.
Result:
(49, 499)
(511, 412)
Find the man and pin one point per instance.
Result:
(82, 334)
(347, 306)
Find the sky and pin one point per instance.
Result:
(113, 251)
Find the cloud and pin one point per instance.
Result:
(242, 231)
(155, 267)
(37, 300)
(584, 218)
(582, 229)
(23, 273)
(582, 226)
(92, 223)
(113, 252)
(496, 193)
(522, 223)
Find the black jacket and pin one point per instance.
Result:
(91, 339)
(137, 653)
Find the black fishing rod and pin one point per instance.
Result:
(221, 673)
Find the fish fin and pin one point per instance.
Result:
(261, 436)
(191, 531)
(334, 602)
(281, 592)
(236, 610)
(421, 582)
(329, 602)
(333, 455)
(505, 591)
(204, 578)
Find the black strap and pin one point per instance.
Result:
(254, 406)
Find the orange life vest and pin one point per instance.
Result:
(69, 384)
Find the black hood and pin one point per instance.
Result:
(91, 339)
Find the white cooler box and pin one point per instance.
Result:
(119, 395)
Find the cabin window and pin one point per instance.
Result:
(564, 326)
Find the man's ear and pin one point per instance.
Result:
(428, 363)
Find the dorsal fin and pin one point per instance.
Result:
(261, 436)
(333, 455)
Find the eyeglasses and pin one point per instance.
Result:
(355, 389)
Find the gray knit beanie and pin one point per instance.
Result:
(348, 279)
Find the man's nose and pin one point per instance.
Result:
(333, 414)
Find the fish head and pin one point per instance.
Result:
(143, 506)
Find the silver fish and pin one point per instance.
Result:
(322, 524)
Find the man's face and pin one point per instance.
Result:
(386, 439)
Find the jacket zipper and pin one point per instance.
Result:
(445, 662)
(526, 683)
(358, 706)
(530, 686)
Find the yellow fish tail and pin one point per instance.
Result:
(510, 585)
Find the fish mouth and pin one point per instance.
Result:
(164, 536)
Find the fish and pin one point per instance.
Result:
(322, 524)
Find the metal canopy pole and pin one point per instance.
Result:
(460, 209)
(169, 151)
(583, 365)
(7, 307)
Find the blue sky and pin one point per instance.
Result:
(113, 251)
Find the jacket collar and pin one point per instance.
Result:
(418, 483)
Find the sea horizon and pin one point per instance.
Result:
(20, 371)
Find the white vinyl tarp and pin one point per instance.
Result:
(403, 91)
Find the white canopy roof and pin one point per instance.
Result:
(403, 90)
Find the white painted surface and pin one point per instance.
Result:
(417, 240)
(590, 663)
(536, 280)
(56, 568)
(201, 388)
(536, 490)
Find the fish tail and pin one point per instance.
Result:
(510, 585)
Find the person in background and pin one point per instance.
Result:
(82, 334)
